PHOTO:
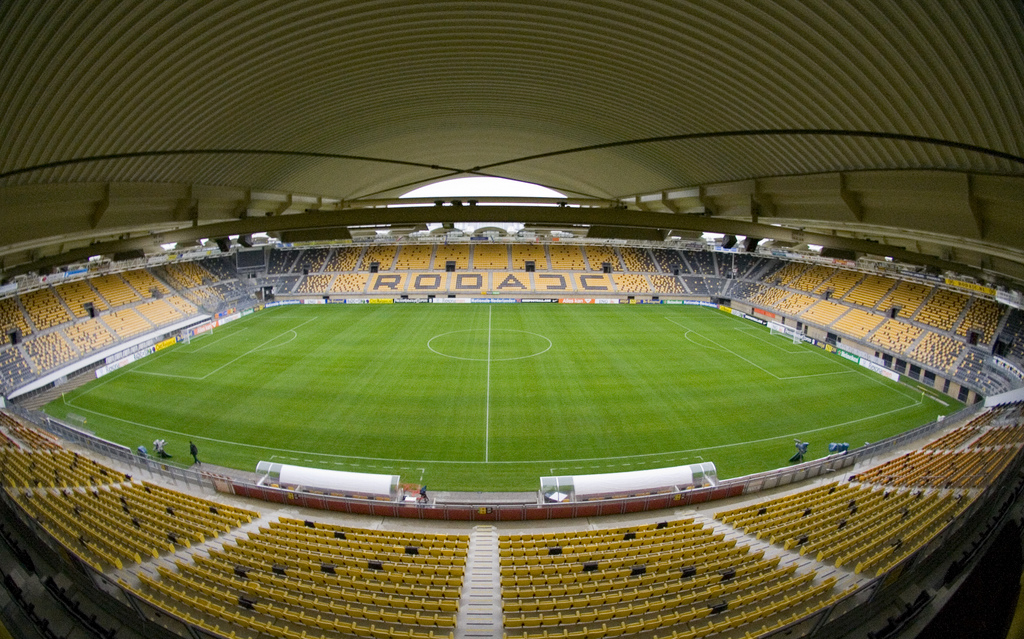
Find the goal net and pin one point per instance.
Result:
(785, 331)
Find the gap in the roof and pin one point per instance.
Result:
(477, 187)
(469, 187)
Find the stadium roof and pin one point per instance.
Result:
(890, 128)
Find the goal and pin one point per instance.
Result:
(785, 331)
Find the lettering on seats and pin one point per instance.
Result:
(589, 287)
(561, 286)
(469, 281)
(511, 281)
(427, 282)
(390, 282)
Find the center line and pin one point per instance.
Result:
(487, 409)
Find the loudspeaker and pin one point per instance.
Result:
(728, 241)
(223, 243)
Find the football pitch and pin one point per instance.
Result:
(493, 396)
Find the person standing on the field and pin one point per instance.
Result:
(194, 452)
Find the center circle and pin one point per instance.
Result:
(494, 345)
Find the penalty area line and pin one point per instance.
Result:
(226, 364)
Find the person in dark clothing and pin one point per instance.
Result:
(194, 452)
(423, 493)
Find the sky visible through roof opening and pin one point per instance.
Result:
(473, 187)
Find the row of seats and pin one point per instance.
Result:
(896, 336)
(938, 351)
(435, 558)
(677, 578)
(31, 437)
(840, 283)
(115, 290)
(61, 346)
(634, 282)
(567, 258)
(702, 262)
(162, 312)
(1012, 435)
(311, 260)
(414, 257)
(600, 255)
(907, 297)
(823, 313)
(373, 581)
(145, 284)
(869, 291)
(458, 544)
(188, 275)
(52, 468)
(523, 253)
(79, 294)
(11, 319)
(786, 275)
(795, 304)
(637, 260)
(245, 618)
(256, 581)
(89, 335)
(982, 316)
(812, 278)
(942, 310)
(343, 259)
(14, 370)
(45, 309)
(127, 323)
(50, 350)
(940, 469)
(457, 253)
(857, 323)
(236, 585)
(669, 285)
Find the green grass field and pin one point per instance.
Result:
(491, 397)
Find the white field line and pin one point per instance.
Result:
(531, 461)
(487, 406)
(182, 351)
(872, 377)
(216, 341)
(560, 462)
(226, 364)
(756, 334)
(764, 370)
